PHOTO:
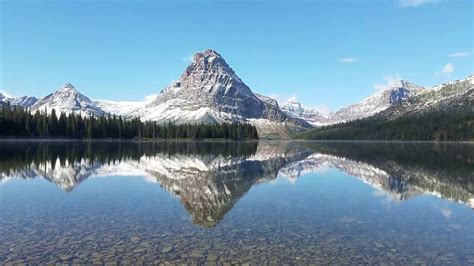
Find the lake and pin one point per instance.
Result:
(261, 202)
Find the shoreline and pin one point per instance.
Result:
(118, 140)
(222, 140)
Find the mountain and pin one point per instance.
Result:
(23, 101)
(68, 100)
(445, 112)
(397, 92)
(295, 109)
(458, 94)
(209, 91)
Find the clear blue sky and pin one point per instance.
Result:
(326, 53)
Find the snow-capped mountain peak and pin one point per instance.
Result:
(312, 115)
(68, 99)
(68, 87)
(23, 101)
(396, 92)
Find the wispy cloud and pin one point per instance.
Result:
(414, 3)
(150, 98)
(292, 99)
(448, 68)
(385, 198)
(348, 60)
(459, 54)
(4, 93)
(446, 212)
(390, 81)
(282, 99)
(278, 97)
(188, 59)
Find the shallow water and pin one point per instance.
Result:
(265, 202)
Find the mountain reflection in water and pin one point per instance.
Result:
(210, 177)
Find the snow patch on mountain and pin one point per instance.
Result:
(122, 108)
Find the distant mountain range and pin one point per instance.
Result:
(445, 112)
(209, 91)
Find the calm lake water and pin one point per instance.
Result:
(216, 202)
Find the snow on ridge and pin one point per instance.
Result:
(123, 108)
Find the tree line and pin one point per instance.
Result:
(18, 122)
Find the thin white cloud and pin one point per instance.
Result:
(150, 98)
(390, 81)
(323, 109)
(414, 3)
(446, 212)
(283, 99)
(448, 68)
(292, 99)
(385, 198)
(188, 59)
(459, 54)
(348, 60)
(278, 97)
(6, 94)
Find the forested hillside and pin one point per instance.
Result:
(435, 125)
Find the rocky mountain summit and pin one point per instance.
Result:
(68, 100)
(397, 93)
(311, 115)
(209, 91)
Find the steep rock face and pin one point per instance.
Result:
(267, 100)
(295, 109)
(68, 100)
(23, 101)
(209, 91)
(397, 93)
